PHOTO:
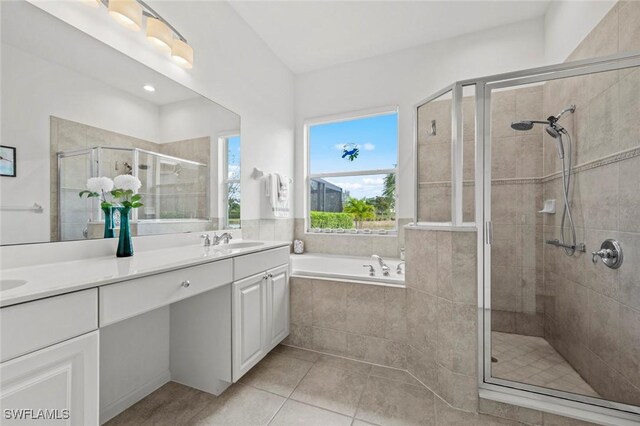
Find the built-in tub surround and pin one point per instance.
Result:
(360, 321)
(429, 327)
(347, 268)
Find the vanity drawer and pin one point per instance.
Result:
(34, 325)
(251, 264)
(130, 298)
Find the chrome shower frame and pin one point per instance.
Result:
(584, 407)
(516, 393)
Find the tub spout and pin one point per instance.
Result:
(383, 265)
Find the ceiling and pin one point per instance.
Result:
(310, 35)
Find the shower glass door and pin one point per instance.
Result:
(562, 176)
(74, 212)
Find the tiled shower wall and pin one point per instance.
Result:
(516, 197)
(592, 313)
(442, 313)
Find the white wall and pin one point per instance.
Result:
(33, 90)
(567, 23)
(233, 67)
(404, 78)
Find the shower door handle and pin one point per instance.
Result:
(489, 232)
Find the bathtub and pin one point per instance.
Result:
(344, 268)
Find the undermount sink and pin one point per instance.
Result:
(9, 284)
(241, 245)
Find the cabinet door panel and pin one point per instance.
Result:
(249, 302)
(58, 378)
(278, 305)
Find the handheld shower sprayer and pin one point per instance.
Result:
(553, 128)
(556, 131)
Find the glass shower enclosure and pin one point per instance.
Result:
(173, 190)
(545, 164)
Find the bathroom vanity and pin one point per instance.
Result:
(73, 330)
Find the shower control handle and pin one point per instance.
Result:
(604, 254)
(610, 252)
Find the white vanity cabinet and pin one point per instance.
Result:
(260, 307)
(59, 382)
(50, 360)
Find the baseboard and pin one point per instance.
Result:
(121, 404)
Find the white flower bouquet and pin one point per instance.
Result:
(123, 191)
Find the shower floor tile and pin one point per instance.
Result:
(532, 360)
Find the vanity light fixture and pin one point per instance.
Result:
(126, 12)
(182, 53)
(161, 33)
(92, 3)
(149, 88)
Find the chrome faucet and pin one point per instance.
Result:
(223, 237)
(383, 266)
(399, 268)
(209, 241)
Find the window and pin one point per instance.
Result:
(352, 173)
(232, 182)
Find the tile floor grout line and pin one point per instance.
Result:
(355, 413)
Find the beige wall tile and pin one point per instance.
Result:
(300, 336)
(301, 301)
(395, 314)
(423, 366)
(628, 28)
(330, 304)
(421, 250)
(629, 196)
(330, 341)
(629, 339)
(365, 309)
(421, 317)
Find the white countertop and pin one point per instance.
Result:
(51, 279)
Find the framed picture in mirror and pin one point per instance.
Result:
(7, 161)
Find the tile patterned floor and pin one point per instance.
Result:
(298, 387)
(534, 361)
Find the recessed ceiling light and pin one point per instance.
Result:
(149, 88)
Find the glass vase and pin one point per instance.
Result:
(109, 231)
(125, 245)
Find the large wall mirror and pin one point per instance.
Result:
(74, 108)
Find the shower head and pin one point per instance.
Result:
(522, 125)
(525, 125)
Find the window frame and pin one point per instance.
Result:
(223, 140)
(336, 118)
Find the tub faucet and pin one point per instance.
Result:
(383, 266)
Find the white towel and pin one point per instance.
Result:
(277, 195)
(283, 187)
(271, 190)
